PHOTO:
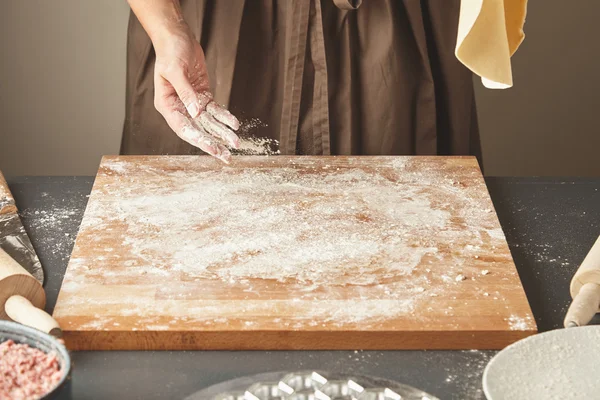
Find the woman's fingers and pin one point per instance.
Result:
(196, 136)
(219, 130)
(206, 143)
(172, 99)
(217, 120)
(223, 115)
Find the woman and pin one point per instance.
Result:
(385, 77)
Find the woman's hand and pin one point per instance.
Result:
(182, 94)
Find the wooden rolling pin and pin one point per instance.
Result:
(585, 290)
(22, 297)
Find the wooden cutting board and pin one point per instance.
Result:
(183, 252)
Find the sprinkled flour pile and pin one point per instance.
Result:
(280, 224)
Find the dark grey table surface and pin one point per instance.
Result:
(550, 225)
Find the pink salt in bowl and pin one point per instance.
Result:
(48, 344)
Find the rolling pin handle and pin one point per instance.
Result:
(585, 290)
(20, 310)
(584, 306)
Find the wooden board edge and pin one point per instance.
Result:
(291, 340)
(523, 294)
(115, 157)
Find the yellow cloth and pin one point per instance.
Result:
(489, 33)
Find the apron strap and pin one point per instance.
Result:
(307, 22)
(320, 109)
(295, 57)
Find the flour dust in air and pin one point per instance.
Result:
(251, 145)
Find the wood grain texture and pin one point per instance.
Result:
(178, 252)
(7, 203)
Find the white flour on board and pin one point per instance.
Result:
(518, 323)
(339, 221)
(377, 231)
(306, 313)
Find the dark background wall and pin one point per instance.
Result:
(549, 122)
(62, 83)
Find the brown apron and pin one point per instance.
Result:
(325, 76)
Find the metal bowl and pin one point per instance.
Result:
(46, 343)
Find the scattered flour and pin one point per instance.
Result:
(257, 146)
(253, 227)
(517, 323)
(466, 378)
(50, 226)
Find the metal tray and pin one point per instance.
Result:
(310, 385)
